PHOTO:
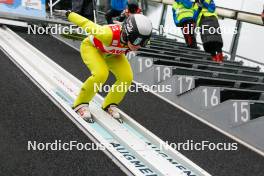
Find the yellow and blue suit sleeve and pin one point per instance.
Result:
(102, 33)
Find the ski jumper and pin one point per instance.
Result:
(102, 52)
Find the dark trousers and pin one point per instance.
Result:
(84, 8)
(110, 14)
(212, 42)
(189, 33)
(213, 47)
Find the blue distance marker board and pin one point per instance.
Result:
(30, 8)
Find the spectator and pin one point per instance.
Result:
(117, 7)
(206, 18)
(183, 17)
(84, 8)
(132, 8)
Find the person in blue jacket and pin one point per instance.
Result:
(183, 14)
(117, 7)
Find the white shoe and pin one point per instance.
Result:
(114, 112)
(83, 111)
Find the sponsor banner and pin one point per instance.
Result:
(134, 161)
(31, 8)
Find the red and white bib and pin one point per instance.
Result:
(115, 47)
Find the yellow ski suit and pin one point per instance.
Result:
(100, 63)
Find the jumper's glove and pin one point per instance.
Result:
(68, 13)
(62, 12)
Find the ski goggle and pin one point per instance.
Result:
(135, 39)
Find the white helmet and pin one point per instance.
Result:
(137, 29)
